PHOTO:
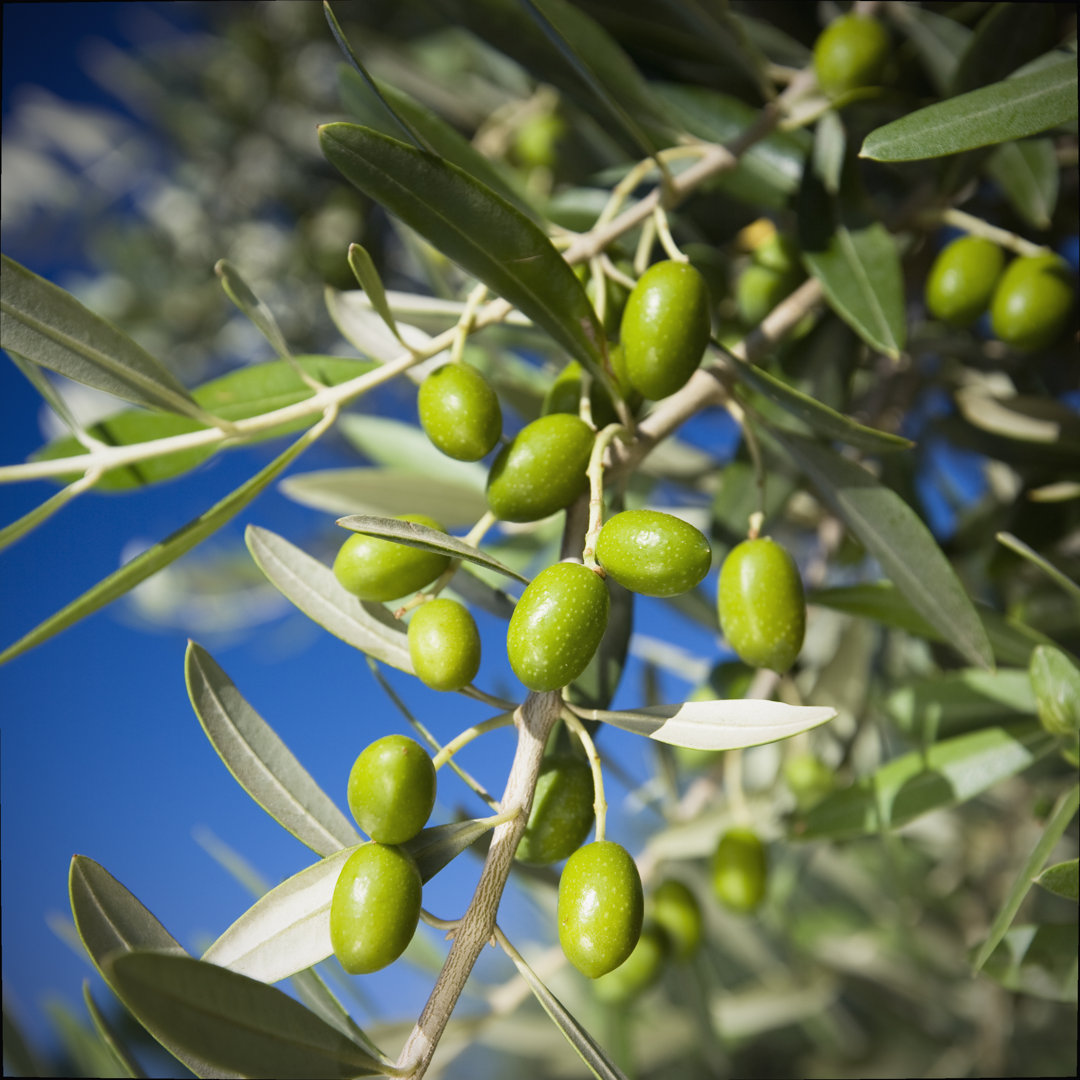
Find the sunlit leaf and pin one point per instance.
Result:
(1055, 678)
(363, 268)
(1062, 879)
(261, 763)
(243, 296)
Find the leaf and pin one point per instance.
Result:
(249, 391)
(1012, 109)
(1006, 38)
(162, 553)
(435, 847)
(939, 41)
(1027, 172)
(1014, 543)
(1062, 879)
(387, 493)
(239, 1023)
(942, 775)
(243, 296)
(476, 228)
(42, 512)
(1012, 642)
(716, 725)
(891, 531)
(366, 331)
(590, 1052)
(421, 536)
(48, 326)
(1038, 960)
(110, 920)
(109, 1035)
(1022, 417)
(81, 1045)
(261, 763)
(818, 417)
(312, 587)
(363, 268)
(1055, 679)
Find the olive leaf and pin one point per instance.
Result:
(243, 296)
(1037, 960)
(1062, 879)
(1027, 172)
(109, 1035)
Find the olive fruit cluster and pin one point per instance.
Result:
(761, 604)
(375, 906)
(774, 272)
(850, 53)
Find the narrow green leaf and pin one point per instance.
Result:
(237, 1022)
(243, 296)
(1064, 811)
(30, 521)
(81, 1044)
(246, 392)
(1006, 38)
(1038, 960)
(1012, 109)
(162, 553)
(48, 326)
(1027, 172)
(312, 587)
(110, 1036)
(818, 417)
(946, 774)
(1023, 418)
(437, 846)
(587, 1048)
(1014, 543)
(716, 725)
(19, 1057)
(40, 382)
(261, 763)
(939, 41)
(475, 227)
(1055, 678)
(420, 536)
(1062, 879)
(890, 530)
(367, 276)
(387, 493)
(110, 921)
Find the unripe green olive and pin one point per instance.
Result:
(557, 625)
(653, 553)
(665, 328)
(459, 411)
(1032, 301)
(808, 778)
(373, 568)
(761, 605)
(444, 644)
(759, 289)
(564, 396)
(601, 906)
(850, 52)
(543, 470)
(740, 870)
(536, 141)
(780, 252)
(375, 907)
(676, 910)
(562, 810)
(961, 282)
(637, 972)
(392, 789)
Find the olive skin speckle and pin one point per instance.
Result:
(653, 553)
(392, 789)
(459, 412)
(444, 645)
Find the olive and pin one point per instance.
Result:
(808, 778)
(562, 810)
(740, 870)
(1032, 301)
(601, 906)
(676, 910)
(542, 470)
(637, 972)
(759, 289)
(392, 789)
(444, 645)
(557, 625)
(653, 553)
(761, 605)
(374, 568)
(849, 53)
(459, 411)
(536, 141)
(375, 907)
(962, 280)
(564, 396)
(780, 252)
(665, 328)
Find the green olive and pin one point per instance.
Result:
(761, 605)
(780, 252)
(564, 396)
(536, 141)
(962, 280)
(637, 972)
(373, 568)
(808, 778)
(601, 906)
(759, 289)
(665, 328)
(562, 810)
(459, 411)
(676, 909)
(1032, 301)
(542, 470)
(392, 789)
(557, 625)
(375, 907)
(740, 870)
(444, 645)
(849, 53)
(653, 553)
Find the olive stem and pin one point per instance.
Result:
(733, 785)
(595, 473)
(465, 737)
(977, 227)
(599, 801)
(534, 721)
(667, 241)
(465, 323)
(645, 245)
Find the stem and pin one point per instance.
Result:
(599, 801)
(467, 736)
(667, 241)
(595, 473)
(977, 227)
(534, 721)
